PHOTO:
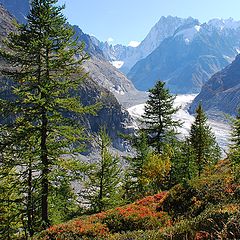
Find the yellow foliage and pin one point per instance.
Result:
(157, 167)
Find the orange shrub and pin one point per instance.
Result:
(141, 215)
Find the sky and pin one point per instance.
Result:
(129, 21)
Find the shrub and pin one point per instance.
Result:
(141, 215)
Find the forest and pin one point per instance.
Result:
(165, 187)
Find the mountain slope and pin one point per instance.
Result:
(128, 56)
(222, 91)
(112, 115)
(187, 59)
(18, 8)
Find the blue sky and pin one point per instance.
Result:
(123, 21)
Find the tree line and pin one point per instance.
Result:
(40, 135)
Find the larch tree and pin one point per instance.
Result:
(42, 72)
(157, 119)
(103, 185)
(235, 146)
(203, 142)
(135, 184)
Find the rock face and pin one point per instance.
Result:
(222, 91)
(189, 58)
(6, 22)
(100, 69)
(165, 27)
(18, 8)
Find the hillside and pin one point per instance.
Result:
(203, 208)
(115, 118)
(222, 91)
(17, 9)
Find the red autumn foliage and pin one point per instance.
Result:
(141, 215)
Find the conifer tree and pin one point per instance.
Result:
(235, 147)
(202, 140)
(39, 100)
(103, 188)
(157, 119)
(135, 184)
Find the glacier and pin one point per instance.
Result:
(220, 129)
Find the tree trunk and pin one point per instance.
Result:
(45, 170)
(30, 202)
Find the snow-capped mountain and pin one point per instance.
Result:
(188, 58)
(128, 56)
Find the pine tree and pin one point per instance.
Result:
(202, 140)
(183, 167)
(157, 119)
(103, 188)
(135, 184)
(39, 101)
(235, 147)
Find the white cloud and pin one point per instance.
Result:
(133, 44)
(110, 40)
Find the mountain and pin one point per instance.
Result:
(126, 57)
(103, 72)
(6, 25)
(18, 8)
(103, 76)
(188, 58)
(222, 91)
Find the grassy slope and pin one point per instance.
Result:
(205, 208)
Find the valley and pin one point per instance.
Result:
(119, 120)
(220, 128)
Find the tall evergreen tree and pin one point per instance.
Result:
(135, 184)
(157, 119)
(44, 68)
(235, 147)
(202, 140)
(103, 188)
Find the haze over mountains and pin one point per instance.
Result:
(182, 52)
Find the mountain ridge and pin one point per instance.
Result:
(222, 92)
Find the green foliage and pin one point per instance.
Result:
(202, 140)
(135, 185)
(39, 104)
(148, 172)
(191, 198)
(11, 205)
(183, 162)
(156, 172)
(157, 118)
(103, 188)
(235, 147)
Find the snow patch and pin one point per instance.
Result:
(110, 40)
(117, 64)
(229, 59)
(188, 34)
(198, 28)
(134, 44)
